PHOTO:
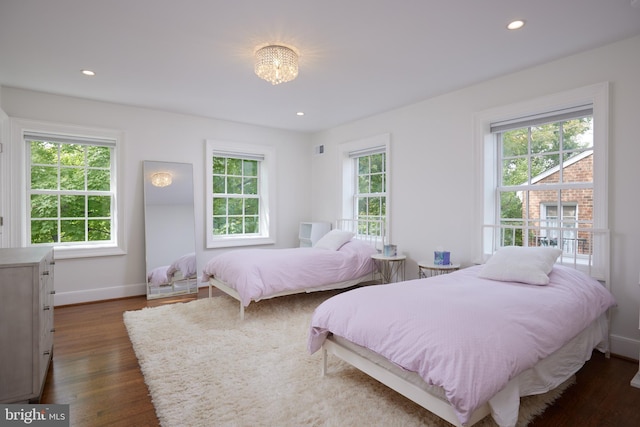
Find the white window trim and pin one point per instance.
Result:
(268, 171)
(485, 155)
(347, 170)
(18, 187)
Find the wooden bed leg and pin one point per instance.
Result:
(324, 361)
(241, 311)
(210, 286)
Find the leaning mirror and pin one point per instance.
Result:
(169, 224)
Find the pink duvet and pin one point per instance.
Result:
(469, 336)
(260, 273)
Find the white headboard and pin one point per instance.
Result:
(368, 230)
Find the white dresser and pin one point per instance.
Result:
(26, 322)
(310, 232)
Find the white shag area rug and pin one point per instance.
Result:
(205, 367)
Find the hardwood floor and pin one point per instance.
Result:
(96, 372)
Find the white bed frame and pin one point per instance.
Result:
(370, 231)
(595, 262)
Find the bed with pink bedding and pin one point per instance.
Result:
(256, 274)
(181, 273)
(463, 345)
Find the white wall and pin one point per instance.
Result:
(160, 136)
(432, 166)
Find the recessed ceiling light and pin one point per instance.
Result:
(300, 113)
(88, 73)
(515, 25)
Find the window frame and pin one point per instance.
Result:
(267, 192)
(485, 160)
(20, 211)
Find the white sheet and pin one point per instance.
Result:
(432, 326)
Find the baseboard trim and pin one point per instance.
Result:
(102, 294)
(624, 346)
(92, 295)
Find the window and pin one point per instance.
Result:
(370, 197)
(366, 183)
(236, 202)
(561, 228)
(239, 194)
(542, 172)
(545, 177)
(70, 196)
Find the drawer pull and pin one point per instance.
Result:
(53, 292)
(46, 353)
(52, 330)
(45, 273)
(46, 307)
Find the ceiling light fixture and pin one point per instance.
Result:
(276, 64)
(88, 73)
(515, 25)
(161, 179)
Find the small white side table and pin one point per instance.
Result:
(391, 268)
(429, 269)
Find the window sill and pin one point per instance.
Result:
(72, 252)
(227, 242)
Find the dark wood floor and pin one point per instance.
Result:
(96, 372)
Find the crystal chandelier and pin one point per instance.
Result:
(161, 179)
(276, 64)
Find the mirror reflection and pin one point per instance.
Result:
(169, 229)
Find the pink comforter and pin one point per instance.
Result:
(260, 273)
(468, 335)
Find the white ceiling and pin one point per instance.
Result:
(180, 192)
(358, 57)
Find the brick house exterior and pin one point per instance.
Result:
(577, 169)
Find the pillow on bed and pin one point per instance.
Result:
(333, 240)
(521, 264)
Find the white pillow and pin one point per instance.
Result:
(530, 265)
(334, 240)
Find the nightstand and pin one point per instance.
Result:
(429, 269)
(391, 268)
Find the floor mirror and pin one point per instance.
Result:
(169, 223)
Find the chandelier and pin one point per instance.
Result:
(161, 179)
(276, 64)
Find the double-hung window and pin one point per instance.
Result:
(545, 178)
(240, 190)
(71, 198)
(366, 183)
(70, 194)
(370, 196)
(544, 174)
